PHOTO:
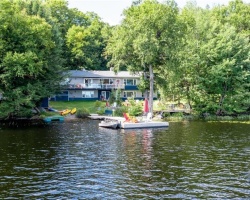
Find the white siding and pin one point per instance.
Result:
(78, 94)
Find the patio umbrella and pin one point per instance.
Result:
(146, 109)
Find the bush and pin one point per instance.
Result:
(98, 104)
(119, 111)
(243, 117)
(135, 109)
(100, 110)
(82, 113)
(99, 107)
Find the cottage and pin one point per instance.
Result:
(97, 85)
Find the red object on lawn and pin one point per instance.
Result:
(146, 109)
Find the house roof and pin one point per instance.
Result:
(102, 74)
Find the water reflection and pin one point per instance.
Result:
(81, 161)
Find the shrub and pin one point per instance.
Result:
(100, 110)
(135, 109)
(97, 104)
(119, 111)
(82, 113)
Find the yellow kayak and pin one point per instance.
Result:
(73, 111)
(65, 112)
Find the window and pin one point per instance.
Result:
(105, 81)
(87, 94)
(129, 81)
(127, 94)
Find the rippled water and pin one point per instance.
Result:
(78, 160)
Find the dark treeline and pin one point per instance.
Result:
(197, 55)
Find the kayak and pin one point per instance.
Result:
(73, 111)
(65, 112)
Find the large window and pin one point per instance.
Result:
(127, 94)
(130, 81)
(87, 94)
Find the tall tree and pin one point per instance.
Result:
(28, 55)
(226, 69)
(214, 62)
(86, 45)
(146, 40)
(236, 13)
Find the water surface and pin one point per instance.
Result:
(78, 160)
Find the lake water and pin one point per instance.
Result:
(78, 160)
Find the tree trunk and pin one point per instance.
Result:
(146, 91)
(151, 92)
(219, 111)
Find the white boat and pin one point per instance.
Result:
(109, 124)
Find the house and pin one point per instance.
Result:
(97, 85)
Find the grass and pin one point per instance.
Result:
(62, 105)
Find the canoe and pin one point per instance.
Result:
(73, 111)
(65, 112)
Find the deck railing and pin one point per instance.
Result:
(95, 86)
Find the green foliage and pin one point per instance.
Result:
(118, 97)
(115, 97)
(120, 110)
(143, 85)
(98, 104)
(101, 110)
(112, 97)
(82, 113)
(29, 61)
(86, 45)
(48, 114)
(147, 39)
(213, 74)
(134, 109)
(99, 107)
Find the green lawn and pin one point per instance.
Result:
(62, 105)
(90, 105)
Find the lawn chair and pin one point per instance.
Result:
(129, 119)
(126, 116)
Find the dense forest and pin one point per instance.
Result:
(194, 54)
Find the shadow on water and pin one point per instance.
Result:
(189, 160)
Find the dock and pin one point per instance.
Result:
(53, 118)
(131, 125)
(150, 124)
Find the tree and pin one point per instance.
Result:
(237, 14)
(214, 62)
(86, 45)
(28, 55)
(226, 69)
(146, 40)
